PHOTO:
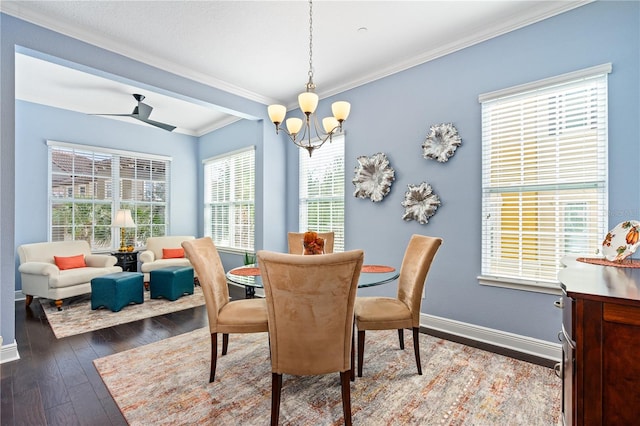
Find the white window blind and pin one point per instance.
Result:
(544, 172)
(229, 193)
(321, 198)
(82, 202)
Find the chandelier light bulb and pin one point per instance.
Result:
(308, 102)
(330, 124)
(277, 113)
(341, 110)
(294, 125)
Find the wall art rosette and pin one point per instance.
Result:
(420, 203)
(441, 142)
(373, 177)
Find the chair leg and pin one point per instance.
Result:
(401, 337)
(360, 351)
(214, 356)
(225, 343)
(416, 348)
(346, 396)
(28, 300)
(276, 388)
(353, 353)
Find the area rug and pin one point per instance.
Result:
(166, 383)
(77, 317)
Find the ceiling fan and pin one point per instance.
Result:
(142, 112)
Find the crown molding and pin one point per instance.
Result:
(513, 23)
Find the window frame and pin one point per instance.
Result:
(304, 199)
(233, 204)
(111, 198)
(598, 185)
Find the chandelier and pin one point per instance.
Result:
(299, 131)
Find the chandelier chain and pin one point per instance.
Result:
(310, 40)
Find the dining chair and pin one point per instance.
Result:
(310, 303)
(238, 316)
(403, 311)
(295, 241)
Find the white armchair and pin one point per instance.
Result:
(41, 276)
(152, 258)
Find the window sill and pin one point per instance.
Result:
(524, 285)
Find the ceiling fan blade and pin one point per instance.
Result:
(164, 126)
(143, 110)
(116, 115)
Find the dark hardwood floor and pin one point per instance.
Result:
(55, 383)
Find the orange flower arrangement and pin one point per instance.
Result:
(312, 243)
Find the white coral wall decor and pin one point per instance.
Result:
(441, 142)
(420, 203)
(373, 177)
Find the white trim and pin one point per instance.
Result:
(516, 284)
(9, 353)
(119, 152)
(527, 345)
(228, 154)
(499, 28)
(546, 82)
(19, 295)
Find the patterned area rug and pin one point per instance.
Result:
(77, 317)
(166, 383)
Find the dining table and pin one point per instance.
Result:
(370, 275)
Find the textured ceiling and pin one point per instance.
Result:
(258, 49)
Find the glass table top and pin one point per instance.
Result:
(371, 275)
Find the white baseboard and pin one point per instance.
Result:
(9, 352)
(527, 345)
(19, 295)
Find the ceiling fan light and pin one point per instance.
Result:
(277, 113)
(308, 102)
(294, 125)
(341, 110)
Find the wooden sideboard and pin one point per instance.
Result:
(600, 344)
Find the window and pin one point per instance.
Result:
(321, 198)
(229, 193)
(82, 202)
(544, 171)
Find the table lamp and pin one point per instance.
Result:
(123, 220)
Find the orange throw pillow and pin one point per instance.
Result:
(70, 262)
(172, 253)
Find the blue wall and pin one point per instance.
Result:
(392, 115)
(37, 123)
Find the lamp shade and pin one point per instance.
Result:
(276, 113)
(123, 219)
(341, 110)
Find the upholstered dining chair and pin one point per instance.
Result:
(296, 246)
(388, 313)
(238, 316)
(310, 306)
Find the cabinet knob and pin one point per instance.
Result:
(559, 303)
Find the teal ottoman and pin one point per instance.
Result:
(171, 282)
(115, 291)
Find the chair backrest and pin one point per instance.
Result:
(415, 265)
(310, 303)
(156, 244)
(295, 241)
(44, 252)
(204, 258)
